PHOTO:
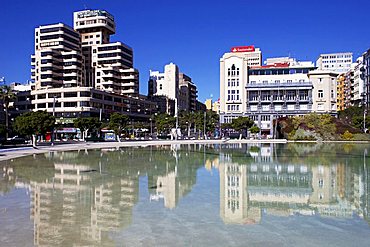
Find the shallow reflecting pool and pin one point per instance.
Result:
(189, 195)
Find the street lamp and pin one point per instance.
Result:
(204, 125)
(52, 132)
(151, 128)
(364, 104)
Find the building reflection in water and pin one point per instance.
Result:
(271, 185)
(178, 177)
(79, 205)
(82, 197)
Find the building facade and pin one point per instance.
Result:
(358, 82)
(78, 72)
(366, 76)
(324, 92)
(109, 66)
(173, 85)
(58, 60)
(338, 62)
(280, 88)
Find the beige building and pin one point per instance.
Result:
(234, 78)
(324, 92)
(234, 198)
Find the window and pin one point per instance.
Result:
(321, 183)
(70, 95)
(320, 93)
(85, 94)
(70, 104)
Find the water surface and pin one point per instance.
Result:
(189, 195)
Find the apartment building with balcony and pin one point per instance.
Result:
(58, 60)
(109, 66)
(279, 89)
(358, 82)
(78, 72)
(341, 100)
(366, 76)
(263, 93)
(189, 89)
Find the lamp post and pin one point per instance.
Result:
(204, 125)
(365, 111)
(52, 132)
(151, 128)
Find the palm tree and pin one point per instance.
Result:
(6, 95)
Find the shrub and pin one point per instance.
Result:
(347, 135)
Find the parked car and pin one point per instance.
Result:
(14, 140)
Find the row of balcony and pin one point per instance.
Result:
(281, 99)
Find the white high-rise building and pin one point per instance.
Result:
(109, 66)
(78, 72)
(166, 83)
(359, 88)
(337, 62)
(173, 85)
(57, 61)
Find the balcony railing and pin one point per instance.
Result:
(280, 85)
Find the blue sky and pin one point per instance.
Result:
(194, 34)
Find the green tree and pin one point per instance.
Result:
(6, 96)
(118, 122)
(242, 124)
(254, 129)
(164, 122)
(86, 125)
(212, 120)
(34, 123)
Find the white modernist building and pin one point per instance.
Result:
(173, 85)
(166, 83)
(78, 72)
(359, 89)
(109, 66)
(58, 60)
(337, 62)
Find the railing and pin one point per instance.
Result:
(280, 85)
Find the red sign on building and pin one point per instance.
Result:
(243, 48)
